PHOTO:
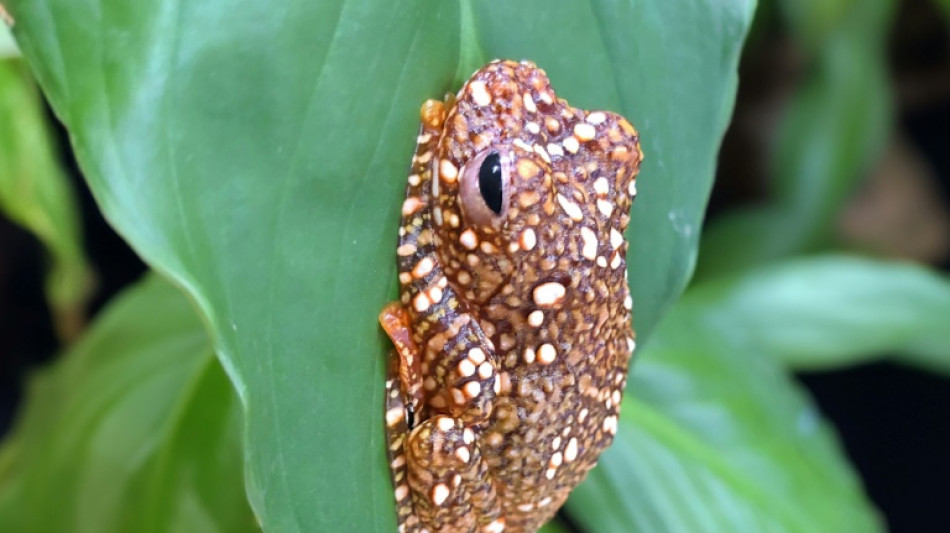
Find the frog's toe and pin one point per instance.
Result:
(452, 489)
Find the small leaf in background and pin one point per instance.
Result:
(35, 194)
(828, 312)
(833, 130)
(8, 46)
(716, 438)
(136, 429)
(257, 155)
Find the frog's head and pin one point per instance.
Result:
(528, 188)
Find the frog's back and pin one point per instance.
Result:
(551, 282)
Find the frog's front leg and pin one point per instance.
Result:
(451, 487)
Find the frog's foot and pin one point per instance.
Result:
(451, 487)
(395, 321)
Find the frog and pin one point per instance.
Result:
(513, 331)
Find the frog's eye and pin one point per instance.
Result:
(489, 182)
(485, 188)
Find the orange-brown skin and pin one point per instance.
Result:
(513, 330)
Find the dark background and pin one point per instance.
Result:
(894, 421)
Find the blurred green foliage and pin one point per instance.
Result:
(35, 194)
(222, 151)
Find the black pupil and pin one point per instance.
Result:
(489, 182)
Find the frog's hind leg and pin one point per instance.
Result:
(397, 430)
(451, 487)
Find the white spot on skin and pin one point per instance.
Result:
(523, 145)
(616, 239)
(596, 118)
(601, 186)
(454, 220)
(406, 250)
(571, 145)
(469, 239)
(589, 250)
(445, 424)
(628, 302)
(529, 355)
(466, 368)
(463, 454)
(411, 205)
(498, 526)
(538, 149)
(447, 171)
(536, 318)
(570, 208)
(437, 215)
(631, 344)
(414, 180)
(398, 462)
(550, 473)
(528, 239)
(394, 416)
(602, 262)
(547, 354)
(440, 493)
(557, 459)
(615, 260)
(423, 267)
(435, 294)
(533, 127)
(632, 188)
(401, 492)
(570, 453)
(468, 436)
(405, 278)
(525, 507)
(485, 370)
(549, 294)
(472, 389)
(479, 93)
(605, 207)
(529, 103)
(584, 132)
(555, 150)
(421, 302)
(476, 355)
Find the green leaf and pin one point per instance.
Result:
(35, 194)
(256, 153)
(135, 429)
(833, 131)
(831, 311)
(718, 439)
(553, 526)
(8, 46)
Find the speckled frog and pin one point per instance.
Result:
(512, 332)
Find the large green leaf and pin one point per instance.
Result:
(831, 311)
(134, 429)
(255, 153)
(716, 438)
(34, 193)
